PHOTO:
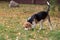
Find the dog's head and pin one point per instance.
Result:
(27, 25)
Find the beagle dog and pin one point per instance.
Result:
(38, 17)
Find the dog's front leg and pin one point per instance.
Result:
(41, 25)
(33, 25)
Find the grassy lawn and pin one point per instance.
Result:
(12, 19)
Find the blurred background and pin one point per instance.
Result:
(13, 18)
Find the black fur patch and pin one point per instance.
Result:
(39, 16)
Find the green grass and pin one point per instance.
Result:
(12, 19)
(54, 35)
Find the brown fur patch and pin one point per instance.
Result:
(27, 25)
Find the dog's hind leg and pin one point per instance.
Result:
(50, 25)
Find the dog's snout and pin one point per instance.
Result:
(25, 28)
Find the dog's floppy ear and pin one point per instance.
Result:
(27, 24)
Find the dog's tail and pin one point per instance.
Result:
(48, 6)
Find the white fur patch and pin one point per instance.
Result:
(29, 18)
(26, 29)
(48, 3)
